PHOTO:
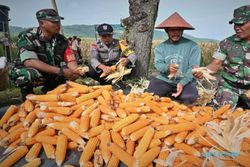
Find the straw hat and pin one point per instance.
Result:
(175, 20)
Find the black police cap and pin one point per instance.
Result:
(104, 29)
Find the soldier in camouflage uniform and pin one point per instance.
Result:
(107, 52)
(234, 56)
(45, 57)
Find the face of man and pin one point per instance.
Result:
(51, 27)
(243, 30)
(107, 38)
(174, 34)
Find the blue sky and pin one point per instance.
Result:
(209, 17)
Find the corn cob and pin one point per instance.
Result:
(11, 110)
(49, 150)
(33, 163)
(147, 157)
(61, 148)
(33, 152)
(124, 122)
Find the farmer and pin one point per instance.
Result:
(174, 59)
(107, 52)
(45, 55)
(233, 57)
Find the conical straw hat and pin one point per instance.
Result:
(175, 20)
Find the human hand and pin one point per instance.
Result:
(173, 68)
(70, 74)
(197, 73)
(124, 61)
(179, 90)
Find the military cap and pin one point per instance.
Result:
(241, 15)
(105, 29)
(48, 14)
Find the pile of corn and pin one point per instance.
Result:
(108, 127)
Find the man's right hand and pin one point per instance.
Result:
(106, 69)
(196, 73)
(173, 68)
(70, 74)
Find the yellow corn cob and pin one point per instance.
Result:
(58, 90)
(88, 96)
(243, 160)
(89, 150)
(169, 141)
(102, 101)
(49, 150)
(130, 146)
(180, 137)
(161, 134)
(117, 138)
(33, 152)
(21, 112)
(113, 162)
(65, 119)
(107, 110)
(67, 97)
(98, 160)
(46, 139)
(162, 120)
(124, 122)
(84, 123)
(47, 97)
(121, 113)
(80, 105)
(206, 141)
(95, 131)
(144, 143)
(15, 127)
(90, 109)
(187, 149)
(172, 113)
(154, 124)
(153, 107)
(46, 121)
(48, 131)
(58, 125)
(72, 145)
(135, 126)
(107, 96)
(138, 103)
(33, 163)
(73, 136)
(147, 157)
(10, 111)
(154, 143)
(34, 128)
(11, 137)
(105, 138)
(121, 154)
(15, 156)
(30, 141)
(61, 110)
(176, 128)
(29, 119)
(138, 134)
(221, 110)
(202, 119)
(76, 85)
(12, 146)
(13, 119)
(95, 118)
(162, 156)
(28, 106)
(61, 149)
(57, 104)
(200, 131)
(193, 159)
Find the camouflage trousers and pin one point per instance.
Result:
(30, 77)
(229, 94)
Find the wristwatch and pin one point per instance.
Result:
(60, 73)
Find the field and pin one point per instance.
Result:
(11, 94)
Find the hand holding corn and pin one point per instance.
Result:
(203, 72)
(173, 68)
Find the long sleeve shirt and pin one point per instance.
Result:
(185, 53)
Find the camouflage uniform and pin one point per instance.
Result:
(235, 53)
(32, 45)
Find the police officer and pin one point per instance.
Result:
(45, 57)
(107, 52)
(233, 56)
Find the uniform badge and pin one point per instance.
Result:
(105, 27)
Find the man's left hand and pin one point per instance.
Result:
(179, 90)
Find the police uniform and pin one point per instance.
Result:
(33, 45)
(235, 54)
(107, 55)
